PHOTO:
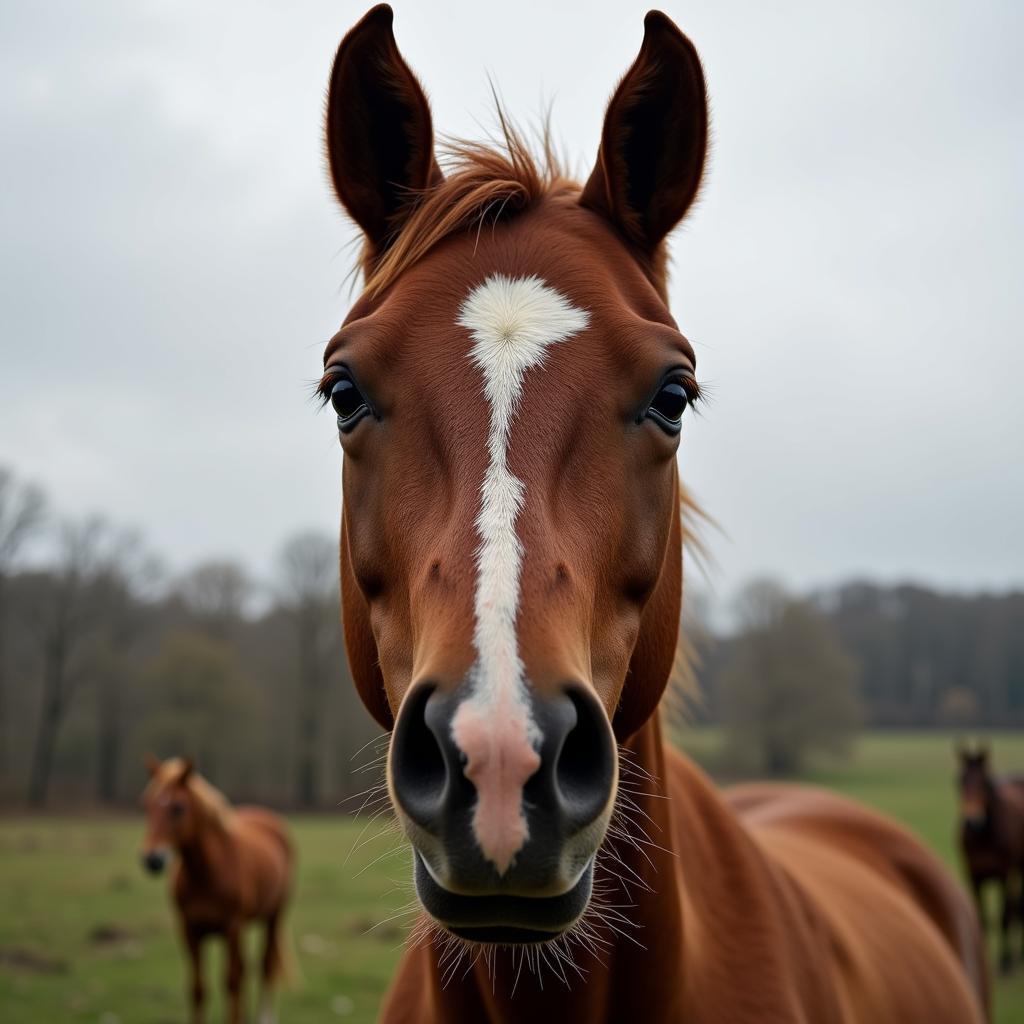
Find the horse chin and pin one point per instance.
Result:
(501, 918)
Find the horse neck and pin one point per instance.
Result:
(1002, 821)
(204, 855)
(641, 939)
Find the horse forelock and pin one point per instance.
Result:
(212, 804)
(484, 182)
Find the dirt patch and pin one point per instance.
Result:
(30, 960)
(110, 935)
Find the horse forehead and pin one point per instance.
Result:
(513, 320)
(454, 345)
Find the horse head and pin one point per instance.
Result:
(977, 788)
(510, 390)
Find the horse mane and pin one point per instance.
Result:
(213, 805)
(483, 181)
(683, 693)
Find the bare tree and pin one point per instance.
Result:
(22, 514)
(684, 699)
(64, 618)
(124, 586)
(217, 593)
(308, 589)
(789, 686)
(207, 705)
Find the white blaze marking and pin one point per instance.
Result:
(513, 322)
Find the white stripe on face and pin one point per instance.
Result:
(513, 322)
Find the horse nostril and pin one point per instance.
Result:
(585, 764)
(153, 862)
(419, 773)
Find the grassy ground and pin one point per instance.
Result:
(85, 937)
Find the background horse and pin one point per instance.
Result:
(234, 866)
(992, 841)
(510, 391)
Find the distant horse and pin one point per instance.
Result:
(510, 389)
(992, 840)
(234, 866)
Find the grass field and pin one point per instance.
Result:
(84, 936)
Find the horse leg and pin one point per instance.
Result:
(979, 903)
(271, 969)
(235, 972)
(1005, 955)
(197, 993)
(1020, 907)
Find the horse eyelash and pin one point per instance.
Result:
(322, 389)
(699, 395)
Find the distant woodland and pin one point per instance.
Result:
(105, 656)
(924, 658)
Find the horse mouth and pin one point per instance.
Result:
(500, 918)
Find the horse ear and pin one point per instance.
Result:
(983, 752)
(187, 768)
(152, 763)
(380, 138)
(654, 140)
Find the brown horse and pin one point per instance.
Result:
(992, 840)
(234, 866)
(510, 389)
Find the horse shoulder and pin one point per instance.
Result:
(1011, 797)
(897, 925)
(264, 857)
(742, 916)
(259, 821)
(1011, 793)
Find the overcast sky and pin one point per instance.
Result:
(172, 263)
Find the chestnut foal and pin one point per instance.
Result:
(510, 389)
(234, 866)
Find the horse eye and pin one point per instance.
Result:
(668, 406)
(348, 402)
(176, 810)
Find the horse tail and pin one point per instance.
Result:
(282, 966)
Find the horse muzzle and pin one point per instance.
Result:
(154, 861)
(974, 825)
(505, 829)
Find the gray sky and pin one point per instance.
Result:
(172, 263)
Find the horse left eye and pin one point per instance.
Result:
(176, 810)
(668, 406)
(348, 402)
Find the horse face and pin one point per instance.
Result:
(976, 789)
(170, 813)
(510, 406)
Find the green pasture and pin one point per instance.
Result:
(84, 936)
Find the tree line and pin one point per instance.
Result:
(921, 658)
(105, 656)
